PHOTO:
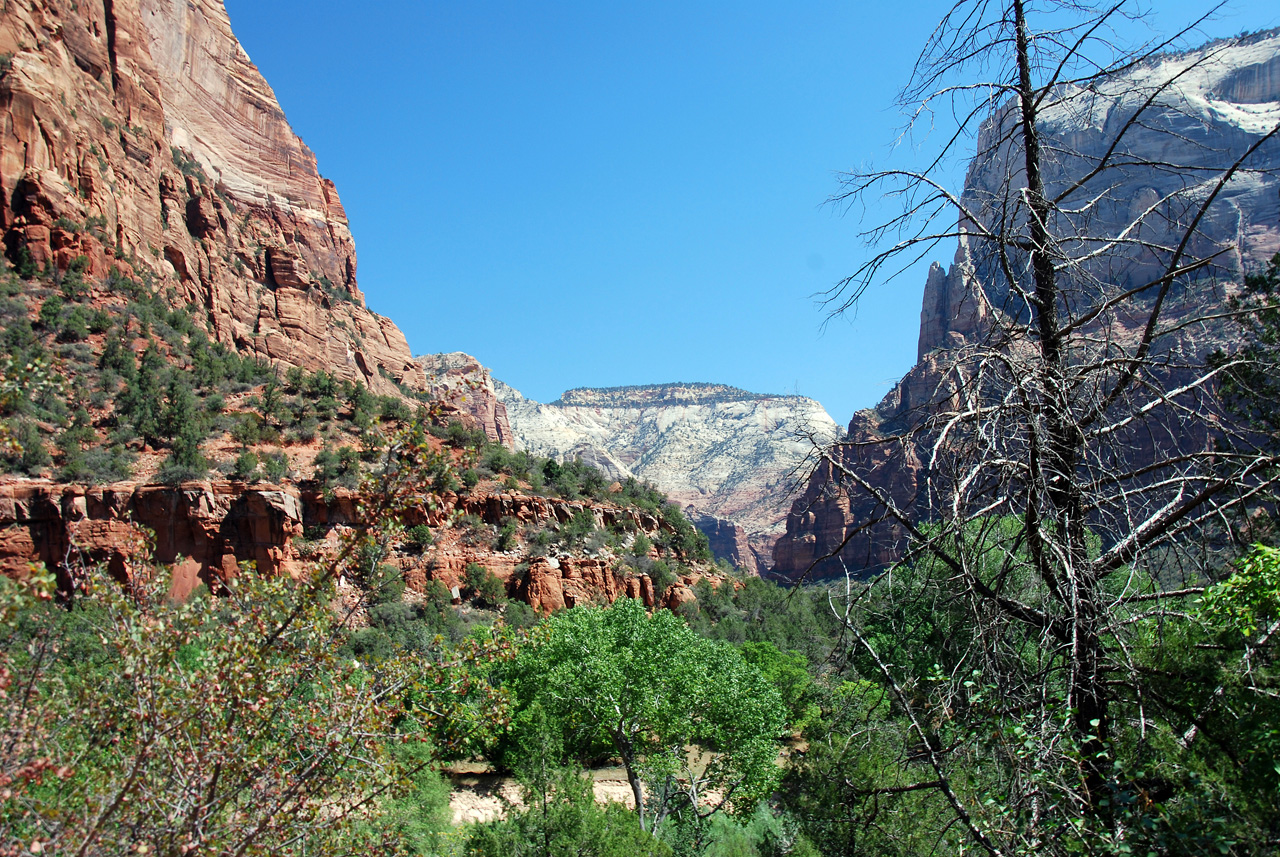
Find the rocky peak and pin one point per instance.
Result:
(656, 395)
(460, 380)
(1228, 97)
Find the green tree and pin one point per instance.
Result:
(485, 585)
(647, 689)
(142, 398)
(183, 424)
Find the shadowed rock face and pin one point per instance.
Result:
(723, 452)
(1225, 106)
(138, 134)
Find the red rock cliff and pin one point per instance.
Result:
(138, 134)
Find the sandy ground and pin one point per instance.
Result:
(479, 797)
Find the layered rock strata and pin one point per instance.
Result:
(1228, 97)
(138, 134)
(205, 530)
(461, 381)
(725, 453)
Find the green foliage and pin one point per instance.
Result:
(578, 528)
(118, 357)
(26, 265)
(120, 692)
(644, 688)
(560, 817)
(520, 615)
(459, 436)
(485, 586)
(182, 424)
(75, 326)
(141, 400)
(73, 286)
(788, 673)
(507, 532)
(275, 467)
(338, 468)
(30, 456)
(1248, 600)
(418, 819)
(418, 538)
(50, 312)
(246, 466)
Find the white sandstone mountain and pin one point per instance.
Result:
(720, 450)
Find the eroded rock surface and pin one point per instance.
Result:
(1225, 105)
(139, 135)
(724, 452)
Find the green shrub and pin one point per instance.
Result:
(579, 527)
(51, 312)
(459, 436)
(26, 267)
(246, 466)
(73, 286)
(520, 615)
(507, 532)
(487, 589)
(31, 456)
(340, 468)
(99, 321)
(75, 327)
(418, 538)
(394, 409)
(275, 467)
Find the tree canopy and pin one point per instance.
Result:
(695, 725)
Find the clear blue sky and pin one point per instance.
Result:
(607, 193)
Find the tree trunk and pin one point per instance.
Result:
(1063, 450)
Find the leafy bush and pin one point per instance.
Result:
(506, 538)
(31, 455)
(340, 468)
(485, 586)
(246, 466)
(418, 538)
(275, 467)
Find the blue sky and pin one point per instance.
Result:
(609, 193)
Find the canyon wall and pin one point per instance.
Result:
(734, 459)
(138, 134)
(1226, 100)
(204, 530)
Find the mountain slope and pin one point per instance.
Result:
(139, 136)
(724, 452)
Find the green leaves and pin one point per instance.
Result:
(645, 689)
(1249, 599)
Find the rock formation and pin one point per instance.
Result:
(1225, 104)
(727, 453)
(138, 134)
(204, 530)
(460, 380)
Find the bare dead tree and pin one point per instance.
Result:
(1079, 473)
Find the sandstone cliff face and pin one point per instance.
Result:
(138, 134)
(1226, 104)
(724, 452)
(204, 530)
(461, 381)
